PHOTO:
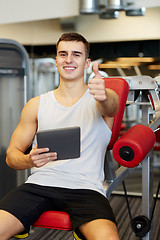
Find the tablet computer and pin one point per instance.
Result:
(64, 141)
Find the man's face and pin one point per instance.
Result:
(71, 60)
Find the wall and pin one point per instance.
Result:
(122, 29)
(96, 30)
(31, 10)
(39, 22)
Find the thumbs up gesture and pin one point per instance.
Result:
(97, 85)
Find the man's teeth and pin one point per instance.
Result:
(69, 68)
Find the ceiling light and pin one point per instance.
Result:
(135, 59)
(154, 67)
(114, 5)
(115, 65)
(109, 15)
(88, 7)
(136, 12)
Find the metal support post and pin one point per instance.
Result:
(147, 194)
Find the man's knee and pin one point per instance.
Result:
(9, 225)
(100, 229)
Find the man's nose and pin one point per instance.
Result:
(69, 58)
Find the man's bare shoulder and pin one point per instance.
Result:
(31, 107)
(33, 102)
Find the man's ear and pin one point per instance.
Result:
(88, 60)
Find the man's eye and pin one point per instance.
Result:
(76, 55)
(62, 54)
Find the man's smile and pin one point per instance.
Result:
(69, 68)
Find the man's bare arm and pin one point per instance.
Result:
(22, 138)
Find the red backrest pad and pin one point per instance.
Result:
(121, 87)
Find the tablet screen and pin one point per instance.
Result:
(64, 141)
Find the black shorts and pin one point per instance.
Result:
(28, 201)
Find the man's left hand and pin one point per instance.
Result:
(97, 85)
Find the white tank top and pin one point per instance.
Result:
(86, 172)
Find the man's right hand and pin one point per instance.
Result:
(41, 156)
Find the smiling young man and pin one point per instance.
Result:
(73, 185)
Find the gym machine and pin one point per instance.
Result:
(14, 86)
(132, 150)
(44, 75)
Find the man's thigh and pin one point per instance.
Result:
(90, 212)
(9, 226)
(84, 206)
(25, 204)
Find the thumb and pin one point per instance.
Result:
(35, 147)
(96, 70)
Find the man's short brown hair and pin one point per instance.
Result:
(72, 36)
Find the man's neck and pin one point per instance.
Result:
(69, 93)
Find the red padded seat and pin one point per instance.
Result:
(55, 220)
